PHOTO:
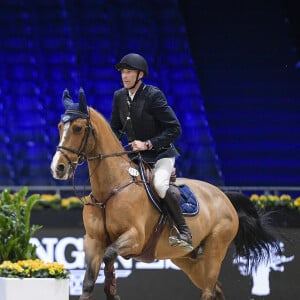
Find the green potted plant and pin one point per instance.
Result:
(15, 227)
(22, 276)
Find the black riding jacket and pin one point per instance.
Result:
(147, 117)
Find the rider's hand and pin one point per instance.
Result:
(137, 145)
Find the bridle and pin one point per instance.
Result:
(81, 154)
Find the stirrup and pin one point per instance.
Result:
(176, 241)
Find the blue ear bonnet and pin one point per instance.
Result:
(74, 110)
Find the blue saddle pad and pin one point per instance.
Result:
(188, 202)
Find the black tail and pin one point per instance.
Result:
(254, 240)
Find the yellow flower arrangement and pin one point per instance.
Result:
(33, 268)
(49, 201)
(297, 202)
(71, 202)
(49, 197)
(268, 201)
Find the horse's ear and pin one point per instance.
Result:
(66, 98)
(82, 101)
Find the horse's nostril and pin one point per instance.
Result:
(60, 168)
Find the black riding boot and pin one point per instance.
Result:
(184, 237)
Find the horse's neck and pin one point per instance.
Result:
(110, 172)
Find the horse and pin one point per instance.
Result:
(119, 219)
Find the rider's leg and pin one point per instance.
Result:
(171, 196)
(184, 239)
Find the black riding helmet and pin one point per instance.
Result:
(133, 61)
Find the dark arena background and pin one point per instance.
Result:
(231, 71)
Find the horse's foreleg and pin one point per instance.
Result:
(219, 291)
(93, 257)
(110, 284)
(88, 283)
(126, 245)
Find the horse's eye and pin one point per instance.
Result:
(77, 129)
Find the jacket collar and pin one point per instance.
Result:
(138, 92)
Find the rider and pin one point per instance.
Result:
(151, 126)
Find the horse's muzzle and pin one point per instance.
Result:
(59, 169)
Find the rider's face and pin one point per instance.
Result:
(129, 77)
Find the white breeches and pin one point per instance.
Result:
(162, 173)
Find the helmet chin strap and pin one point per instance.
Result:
(136, 81)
